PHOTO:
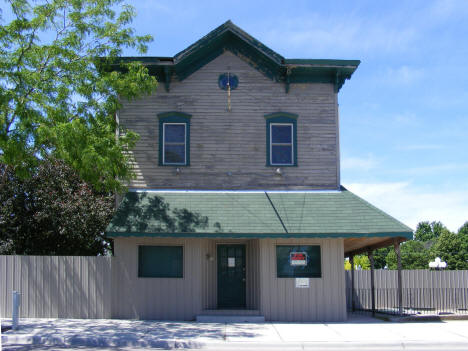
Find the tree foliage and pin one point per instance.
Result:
(53, 212)
(360, 262)
(453, 249)
(414, 255)
(57, 95)
(431, 240)
(427, 231)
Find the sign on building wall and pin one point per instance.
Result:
(298, 258)
(302, 282)
(298, 261)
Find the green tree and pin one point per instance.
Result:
(463, 229)
(380, 257)
(52, 212)
(57, 94)
(414, 255)
(453, 249)
(361, 261)
(429, 231)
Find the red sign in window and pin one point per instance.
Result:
(298, 258)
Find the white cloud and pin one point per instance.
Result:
(444, 10)
(420, 147)
(316, 34)
(405, 119)
(441, 169)
(403, 75)
(360, 163)
(412, 204)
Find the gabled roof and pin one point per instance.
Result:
(252, 214)
(230, 37)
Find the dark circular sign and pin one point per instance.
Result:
(228, 79)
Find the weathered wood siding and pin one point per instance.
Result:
(324, 300)
(228, 149)
(56, 286)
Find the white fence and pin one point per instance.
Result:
(57, 286)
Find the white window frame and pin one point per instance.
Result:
(282, 144)
(171, 143)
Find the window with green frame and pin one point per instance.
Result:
(298, 261)
(174, 139)
(160, 261)
(281, 138)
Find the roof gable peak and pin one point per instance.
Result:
(226, 34)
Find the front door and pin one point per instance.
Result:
(231, 276)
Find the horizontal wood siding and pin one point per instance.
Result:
(56, 286)
(324, 300)
(228, 149)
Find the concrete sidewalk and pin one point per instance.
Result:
(359, 332)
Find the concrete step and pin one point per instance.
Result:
(208, 318)
(231, 312)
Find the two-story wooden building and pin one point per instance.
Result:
(237, 207)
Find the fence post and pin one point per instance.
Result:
(15, 313)
(396, 246)
(353, 302)
(370, 254)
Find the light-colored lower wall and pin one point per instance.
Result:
(324, 300)
(104, 287)
(156, 298)
(184, 298)
(175, 298)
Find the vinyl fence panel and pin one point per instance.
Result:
(57, 286)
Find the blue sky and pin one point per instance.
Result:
(404, 113)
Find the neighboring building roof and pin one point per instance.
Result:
(230, 37)
(252, 214)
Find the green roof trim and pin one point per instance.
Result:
(323, 62)
(265, 235)
(249, 214)
(229, 37)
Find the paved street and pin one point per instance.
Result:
(360, 333)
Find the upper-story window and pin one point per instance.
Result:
(174, 139)
(281, 139)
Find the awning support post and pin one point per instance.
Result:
(396, 246)
(353, 302)
(370, 254)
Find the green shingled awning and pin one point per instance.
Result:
(252, 214)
